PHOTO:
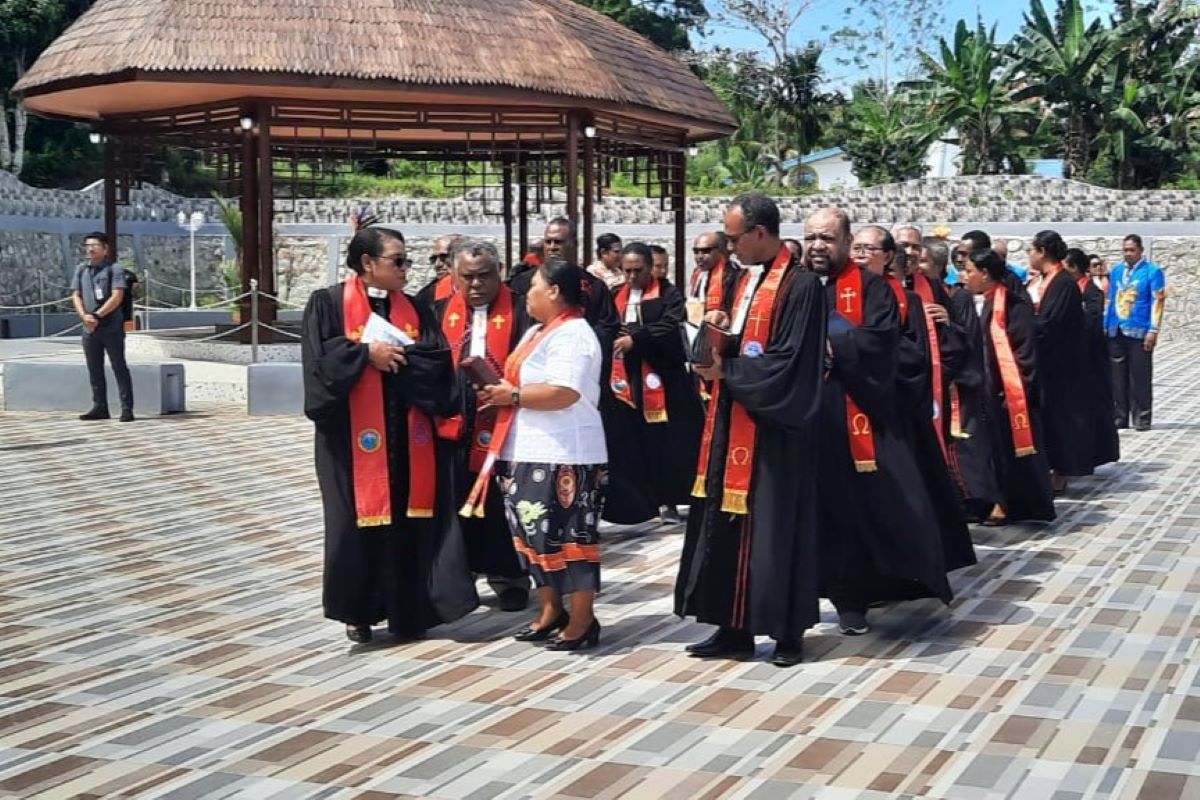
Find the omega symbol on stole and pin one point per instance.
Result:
(860, 424)
(369, 440)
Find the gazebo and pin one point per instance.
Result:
(538, 97)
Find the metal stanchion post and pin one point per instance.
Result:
(41, 305)
(146, 302)
(253, 320)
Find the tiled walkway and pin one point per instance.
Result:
(161, 636)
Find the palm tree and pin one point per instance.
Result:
(971, 89)
(1063, 62)
(886, 136)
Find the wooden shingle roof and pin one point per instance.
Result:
(529, 51)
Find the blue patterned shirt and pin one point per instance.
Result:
(1136, 298)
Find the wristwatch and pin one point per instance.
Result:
(516, 397)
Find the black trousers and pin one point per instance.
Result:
(1132, 373)
(109, 337)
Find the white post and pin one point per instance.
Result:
(191, 224)
(254, 320)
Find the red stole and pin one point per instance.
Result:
(1083, 282)
(924, 290)
(858, 424)
(368, 424)
(743, 430)
(1010, 376)
(456, 325)
(506, 414)
(444, 287)
(713, 294)
(654, 395)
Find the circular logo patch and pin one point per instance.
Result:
(484, 438)
(369, 440)
(753, 350)
(653, 381)
(619, 386)
(539, 475)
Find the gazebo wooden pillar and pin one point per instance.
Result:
(680, 200)
(110, 194)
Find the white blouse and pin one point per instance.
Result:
(569, 357)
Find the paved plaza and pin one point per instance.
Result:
(161, 636)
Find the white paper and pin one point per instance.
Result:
(379, 329)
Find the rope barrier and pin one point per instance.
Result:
(280, 332)
(36, 305)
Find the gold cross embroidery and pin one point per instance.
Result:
(848, 295)
(498, 321)
(454, 318)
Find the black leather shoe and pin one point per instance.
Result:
(513, 599)
(127, 415)
(788, 652)
(532, 634)
(95, 413)
(726, 643)
(360, 634)
(709, 642)
(590, 638)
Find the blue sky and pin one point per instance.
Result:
(829, 15)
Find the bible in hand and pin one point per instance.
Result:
(710, 338)
(478, 372)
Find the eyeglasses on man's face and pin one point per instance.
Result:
(702, 251)
(865, 249)
(399, 261)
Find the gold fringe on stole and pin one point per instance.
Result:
(468, 510)
(656, 416)
(698, 488)
(735, 502)
(420, 513)
(1026, 451)
(371, 522)
(865, 466)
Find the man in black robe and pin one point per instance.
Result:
(754, 570)
(879, 531)
(1106, 447)
(481, 320)
(658, 417)
(404, 567)
(440, 258)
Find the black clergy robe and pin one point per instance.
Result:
(972, 449)
(1068, 425)
(1106, 446)
(880, 537)
(914, 393)
(758, 572)
(412, 572)
(488, 539)
(654, 464)
(1024, 482)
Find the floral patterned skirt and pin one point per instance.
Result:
(553, 511)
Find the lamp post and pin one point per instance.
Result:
(191, 224)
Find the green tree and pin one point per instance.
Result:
(26, 28)
(1064, 63)
(881, 36)
(886, 136)
(667, 23)
(970, 88)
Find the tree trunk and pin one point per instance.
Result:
(20, 120)
(5, 152)
(1076, 148)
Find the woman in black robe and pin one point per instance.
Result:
(1024, 481)
(412, 571)
(651, 464)
(972, 449)
(1068, 428)
(1106, 446)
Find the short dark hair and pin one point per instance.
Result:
(658, 250)
(639, 249)
(758, 209)
(722, 240)
(102, 238)
(571, 227)
(368, 242)
(990, 262)
(566, 276)
(1133, 237)
(607, 241)
(1077, 260)
(1050, 243)
(979, 240)
(888, 241)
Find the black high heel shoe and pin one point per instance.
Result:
(359, 634)
(590, 638)
(532, 634)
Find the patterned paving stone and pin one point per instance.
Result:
(161, 636)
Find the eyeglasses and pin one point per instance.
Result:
(436, 257)
(865, 248)
(702, 251)
(735, 237)
(400, 261)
